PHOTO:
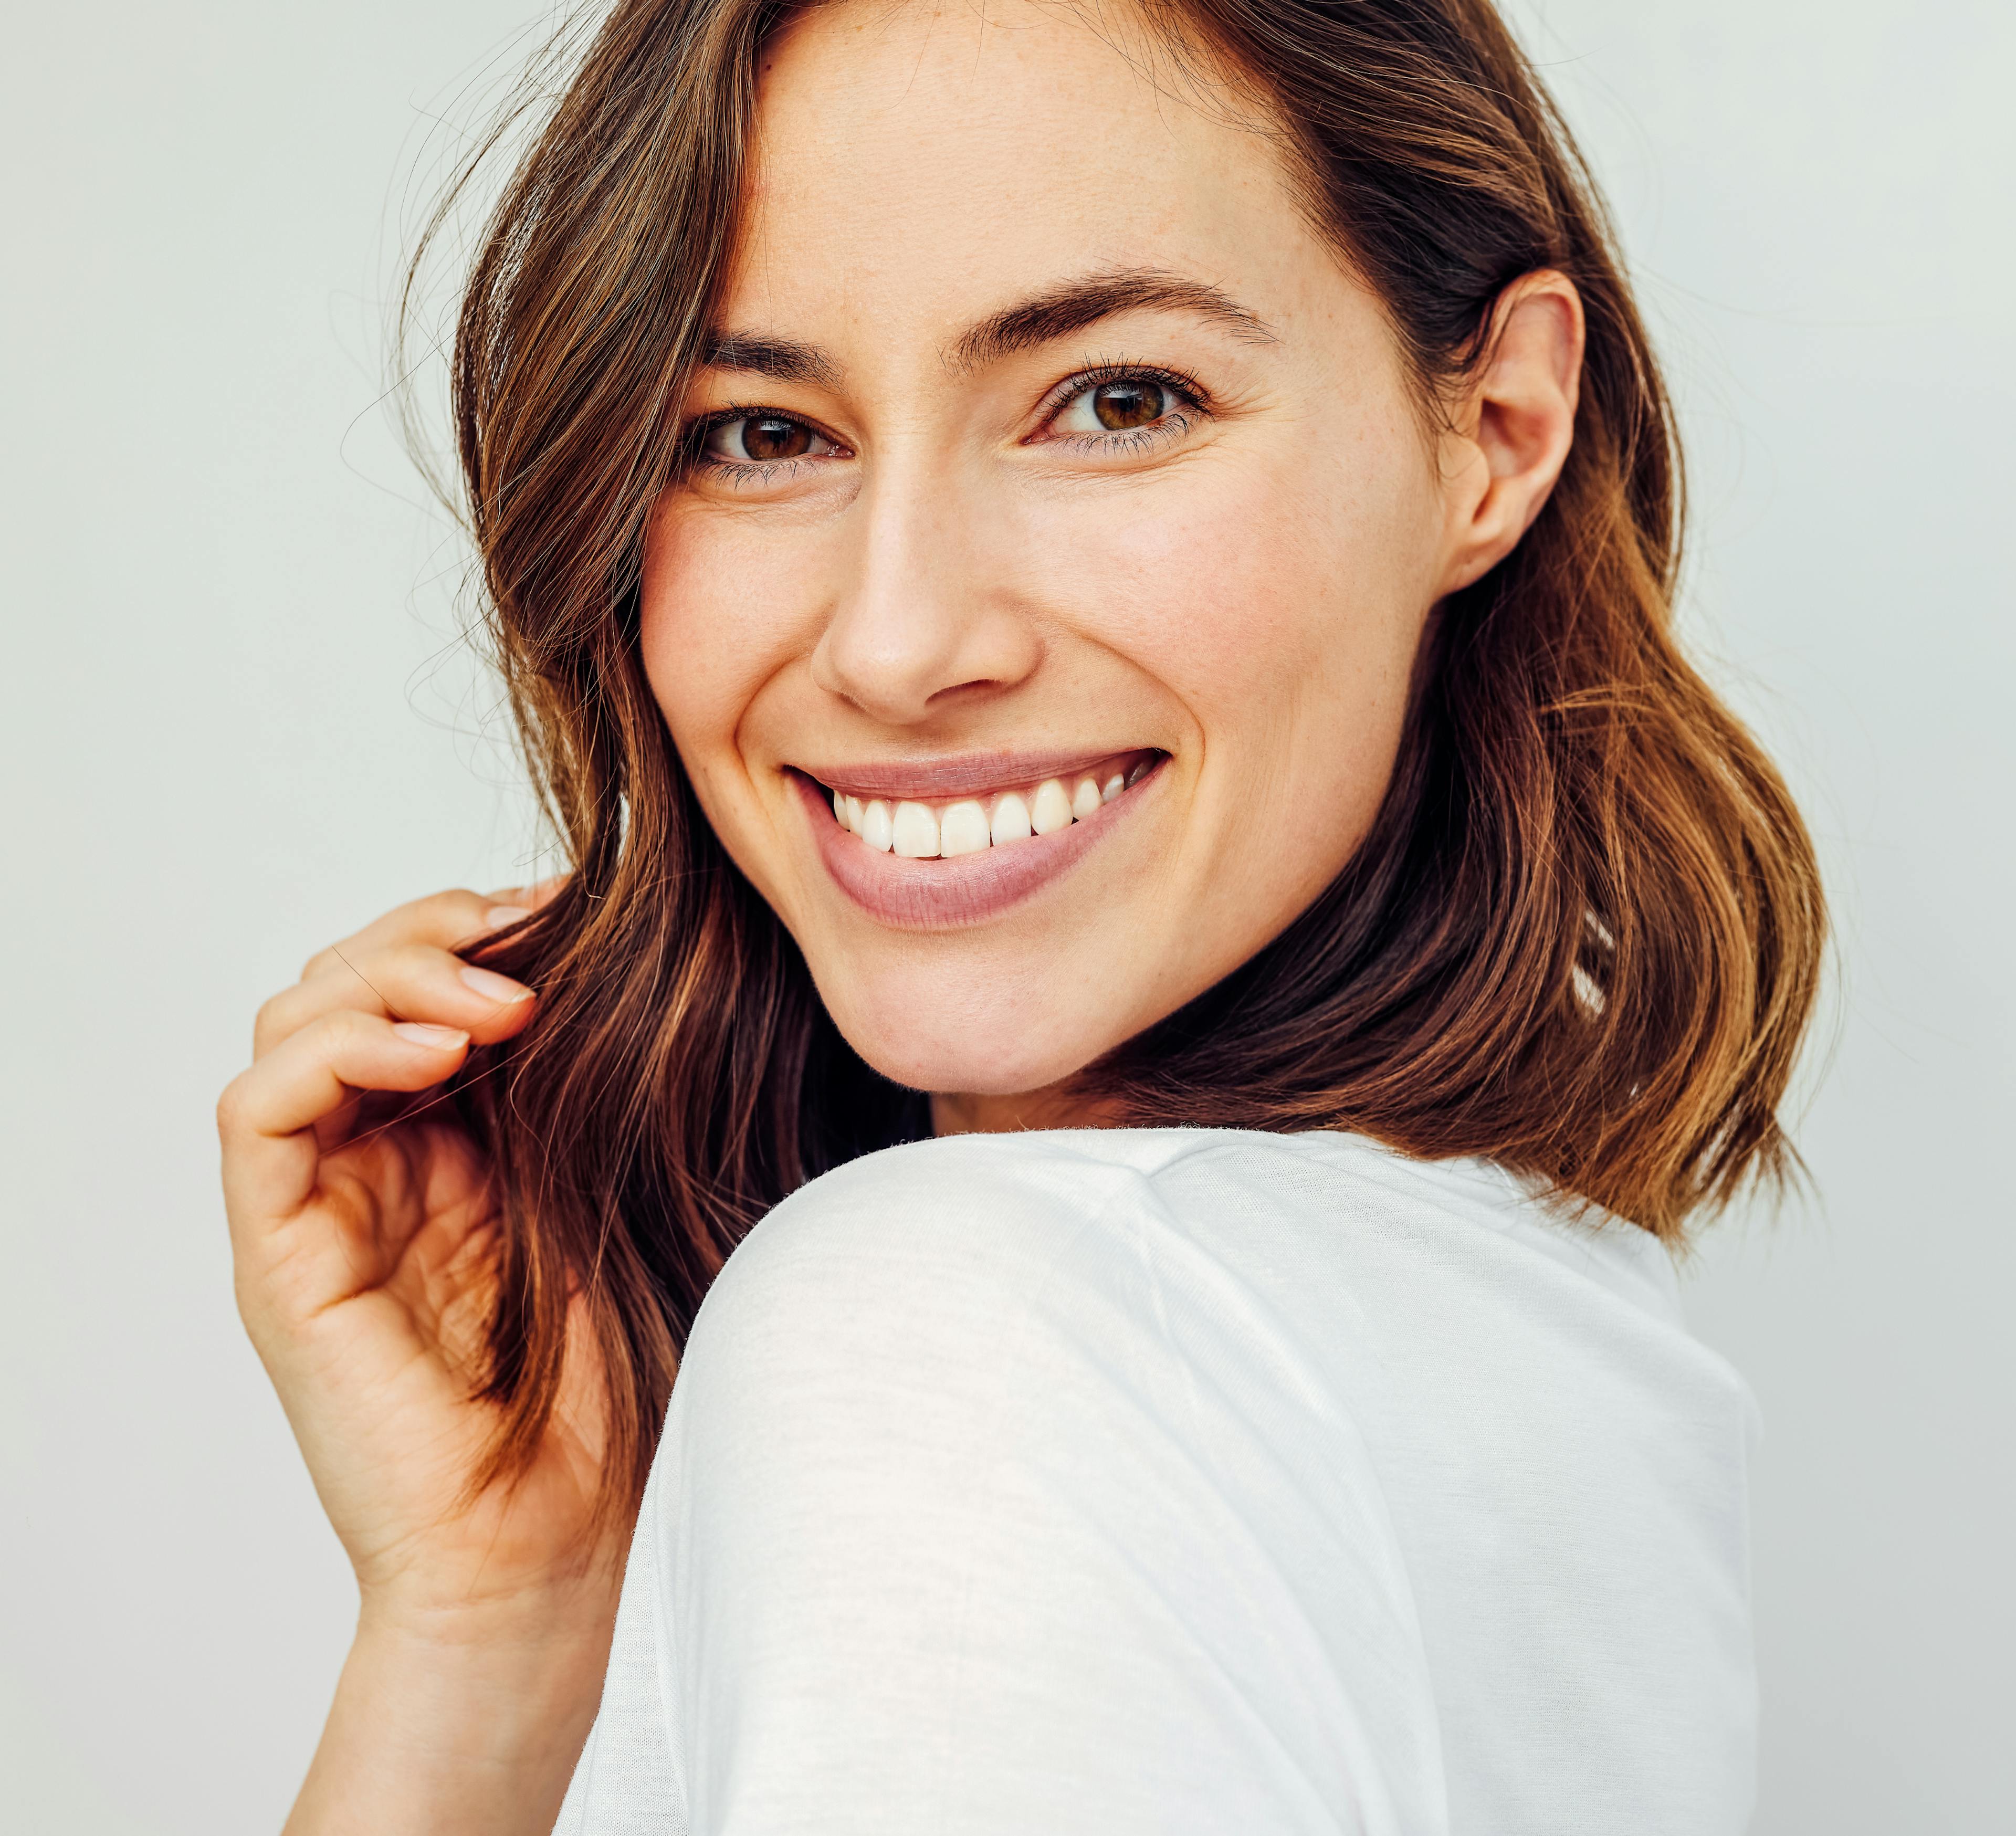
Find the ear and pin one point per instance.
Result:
(1512, 430)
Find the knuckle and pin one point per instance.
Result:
(340, 1027)
(271, 1019)
(458, 910)
(231, 1105)
(395, 960)
(455, 919)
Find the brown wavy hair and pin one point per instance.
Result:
(1583, 936)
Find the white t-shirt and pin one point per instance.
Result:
(1177, 1481)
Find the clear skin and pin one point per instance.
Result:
(961, 560)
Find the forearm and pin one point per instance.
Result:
(449, 1728)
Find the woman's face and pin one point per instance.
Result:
(1063, 507)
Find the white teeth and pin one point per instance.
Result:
(963, 829)
(1011, 819)
(919, 832)
(1052, 810)
(914, 831)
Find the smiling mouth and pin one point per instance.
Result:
(916, 829)
(939, 845)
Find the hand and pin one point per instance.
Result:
(363, 1251)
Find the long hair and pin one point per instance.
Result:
(1583, 936)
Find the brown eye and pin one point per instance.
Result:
(1155, 412)
(763, 439)
(1133, 402)
(771, 437)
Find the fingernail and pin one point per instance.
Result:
(435, 1039)
(498, 917)
(493, 987)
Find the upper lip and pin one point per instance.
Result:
(961, 774)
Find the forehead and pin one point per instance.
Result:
(922, 162)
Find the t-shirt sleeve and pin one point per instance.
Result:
(990, 1501)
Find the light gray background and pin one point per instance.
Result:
(236, 724)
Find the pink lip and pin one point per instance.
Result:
(969, 774)
(968, 889)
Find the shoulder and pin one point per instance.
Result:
(934, 1261)
(1097, 1310)
(965, 1209)
(982, 1434)
(949, 1244)
(1061, 1305)
(959, 1185)
(1120, 1230)
(1089, 1287)
(992, 1206)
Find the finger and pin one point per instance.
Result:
(266, 1117)
(512, 904)
(404, 981)
(445, 920)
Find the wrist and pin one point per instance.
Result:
(504, 1666)
(452, 1719)
(503, 1628)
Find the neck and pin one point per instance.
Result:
(1056, 1106)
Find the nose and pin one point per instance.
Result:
(924, 620)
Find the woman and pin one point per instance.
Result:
(1111, 567)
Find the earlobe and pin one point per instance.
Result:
(1518, 423)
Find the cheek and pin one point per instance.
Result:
(1260, 597)
(719, 616)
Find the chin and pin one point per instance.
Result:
(1004, 1051)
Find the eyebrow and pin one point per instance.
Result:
(784, 360)
(1074, 304)
(1055, 313)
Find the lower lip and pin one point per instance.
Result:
(942, 895)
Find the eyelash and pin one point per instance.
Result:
(743, 472)
(1187, 390)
